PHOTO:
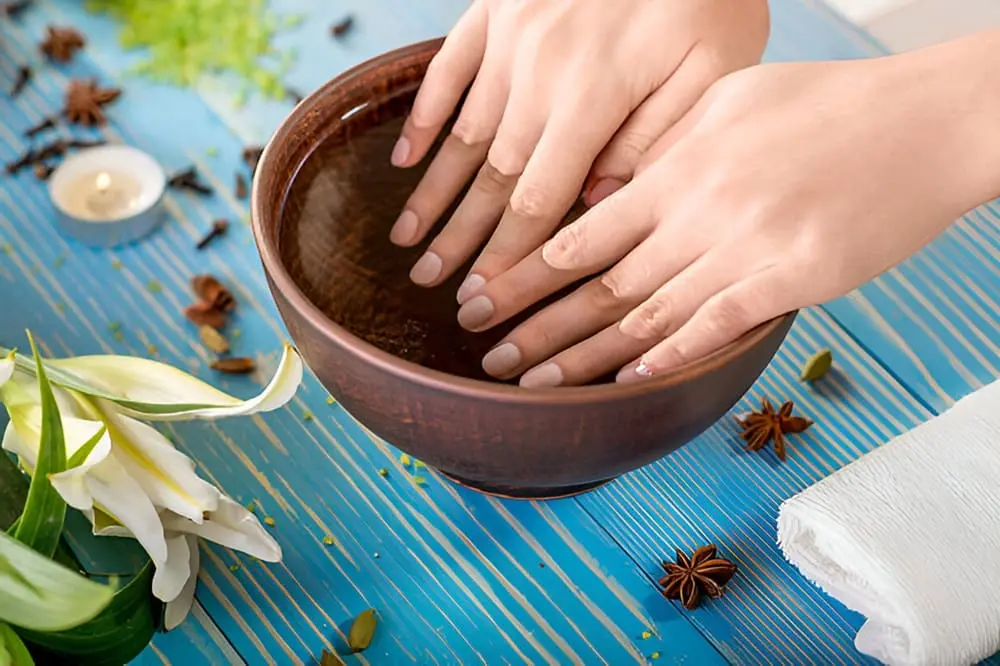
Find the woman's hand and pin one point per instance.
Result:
(553, 82)
(787, 185)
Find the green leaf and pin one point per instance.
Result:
(12, 650)
(116, 636)
(13, 491)
(362, 631)
(81, 454)
(45, 511)
(43, 595)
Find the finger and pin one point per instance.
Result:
(674, 303)
(480, 211)
(545, 192)
(448, 75)
(605, 232)
(462, 152)
(722, 319)
(655, 261)
(569, 320)
(589, 360)
(616, 163)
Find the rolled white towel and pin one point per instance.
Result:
(908, 535)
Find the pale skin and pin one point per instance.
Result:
(722, 192)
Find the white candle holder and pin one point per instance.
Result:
(108, 195)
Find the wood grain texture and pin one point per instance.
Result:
(457, 577)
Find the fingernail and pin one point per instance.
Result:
(475, 313)
(553, 252)
(427, 269)
(502, 360)
(633, 373)
(602, 189)
(400, 151)
(544, 376)
(405, 228)
(469, 287)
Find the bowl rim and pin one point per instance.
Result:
(428, 377)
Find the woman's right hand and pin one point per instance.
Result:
(555, 85)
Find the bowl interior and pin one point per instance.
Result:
(333, 239)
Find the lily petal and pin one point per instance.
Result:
(171, 576)
(119, 496)
(155, 391)
(6, 368)
(178, 609)
(71, 484)
(167, 475)
(230, 525)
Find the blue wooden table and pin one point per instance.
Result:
(459, 578)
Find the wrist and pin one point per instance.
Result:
(959, 91)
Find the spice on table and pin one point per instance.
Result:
(328, 540)
(269, 521)
(85, 101)
(209, 289)
(234, 365)
(703, 573)
(654, 656)
(817, 366)
(214, 340)
(219, 228)
(14, 9)
(419, 480)
(330, 659)
(330, 400)
(203, 314)
(342, 27)
(362, 631)
(43, 171)
(761, 427)
(383, 472)
(154, 287)
(85, 143)
(188, 180)
(45, 124)
(307, 415)
(251, 155)
(646, 635)
(241, 186)
(23, 77)
(404, 460)
(61, 44)
(32, 157)
(234, 567)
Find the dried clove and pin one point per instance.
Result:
(21, 82)
(219, 228)
(203, 314)
(43, 171)
(241, 186)
(251, 155)
(32, 157)
(14, 9)
(209, 289)
(235, 365)
(85, 143)
(188, 180)
(45, 124)
(343, 27)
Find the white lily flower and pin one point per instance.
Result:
(131, 480)
(6, 368)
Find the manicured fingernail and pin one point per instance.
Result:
(502, 360)
(427, 269)
(633, 373)
(602, 189)
(405, 228)
(400, 151)
(544, 376)
(469, 287)
(475, 313)
(554, 252)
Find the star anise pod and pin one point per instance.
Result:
(703, 573)
(761, 427)
(61, 44)
(84, 100)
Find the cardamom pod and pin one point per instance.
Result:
(817, 366)
(213, 339)
(362, 631)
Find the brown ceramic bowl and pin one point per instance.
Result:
(324, 199)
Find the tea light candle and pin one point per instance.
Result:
(108, 195)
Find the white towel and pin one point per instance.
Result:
(909, 536)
